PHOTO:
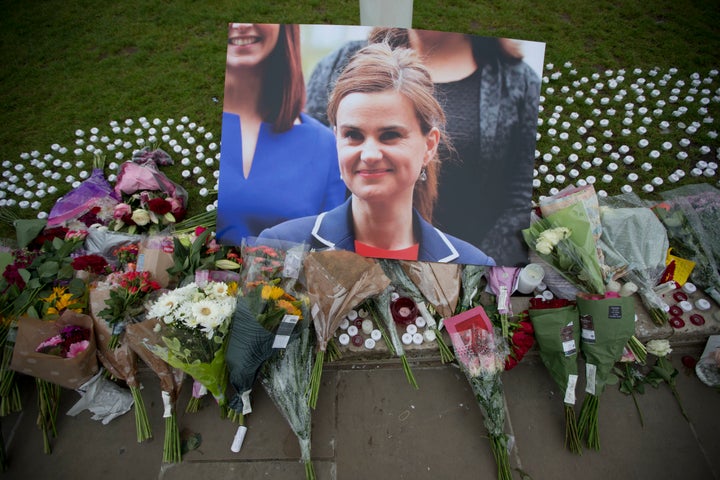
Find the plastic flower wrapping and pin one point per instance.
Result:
(286, 379)
(565, 240)
(481, 354)
(267, 298)
(691, 215)
(635, 239)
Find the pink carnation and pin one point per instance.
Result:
(77, 348)
(121, 210)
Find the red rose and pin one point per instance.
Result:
(91, 263)
(159, 206)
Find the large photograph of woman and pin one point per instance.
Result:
(474, 190)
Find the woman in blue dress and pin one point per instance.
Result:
(388, 126)
(276, 163)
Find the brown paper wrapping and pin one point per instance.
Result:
(121, 362)
(66, 372)
(438, 282)
(337, 281)
(138, 336)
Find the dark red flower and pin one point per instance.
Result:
(160, 206)
(90, 263)
(12, 275)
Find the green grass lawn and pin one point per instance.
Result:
(78, 65)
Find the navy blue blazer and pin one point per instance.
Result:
(334, 230)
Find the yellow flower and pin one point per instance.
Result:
(271, 292)
(289, 308)
(59, 301)
(232, 289)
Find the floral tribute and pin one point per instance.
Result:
(129, 290)
(68, 343)
(481, 354)
(194, 328)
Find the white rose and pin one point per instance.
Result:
(659, 348)
(140, 217)
(543, 247)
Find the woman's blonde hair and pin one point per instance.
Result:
(379, 68)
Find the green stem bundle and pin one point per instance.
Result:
(142, 424)
(499, 449)
(572, 436)
(171, 451)
(48, 404)
(588, 421)
(315, 377)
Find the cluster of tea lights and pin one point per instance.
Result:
(358, 329)
(620, 130)
(685, 302)
(35, 176)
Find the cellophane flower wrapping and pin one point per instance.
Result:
(481, 354)
(286, 379)
(93, 192)
(267, 295)
(565, 240)
(337, 281)
(633, 237)
(194, 331)
(557, 332)
(691, 215)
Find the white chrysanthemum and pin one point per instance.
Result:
(216, 289)
(207, 314)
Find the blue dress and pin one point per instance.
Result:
(293, 174)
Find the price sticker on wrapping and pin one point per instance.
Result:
(588, 328)
(568, 340)
(287, 325)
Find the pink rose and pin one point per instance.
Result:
(122, 210)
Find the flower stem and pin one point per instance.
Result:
(408, 372)
(446, 355)
(194, 404)
(572, 437)
(142, 424)
(48, 404)
(316, 376)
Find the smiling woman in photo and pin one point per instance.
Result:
(268, 146)
(388, 126)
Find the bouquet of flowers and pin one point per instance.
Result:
(481, 355)
(145, 212)
(557, 331)
(194, 328)
(607, 326)
(520, 341)
(286, 378)
(634, 237)
(91, 202)
(128, 293)
(126, 256)
(29, 276)
(150, 200)
(337, 281)
(121, 361)
(265, 300)
(565, 240)
(199, 251)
